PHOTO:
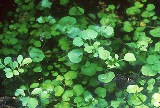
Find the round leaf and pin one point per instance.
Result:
(101, 92)
(75, 56)
(88, 34)
(78, 41)
(58, 90)
(147, 70)
(129, 57)
(36, 54)
(106, 78)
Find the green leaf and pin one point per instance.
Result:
(67, 20)
(103, 54)
(137, 99)
(112, 7)
(41, 20)
(127, 26)
(44, 94)
(37, 43)
(115, 104)
(19, 59)
(88, 48)
(90, 69)
(1, 65)
(155, 32)
(75, 56)
(74, 32)
(102, 103)
(156, 99)
(64, 2)
(26, 61)
(9, 73)
(133, 11)
(46, 4)
(37, 69)
(63, 42)
(129, 57)
(88, 34)
(106, 78)
(7, 60)
(70, 75)
(87, 96)
(36, 91)
(19, 92)
(76, 11)
(150, 7)
(157, 47)
(32, 102)
(36, 54)
(78, 90)
(101, 92)
(34, 85)
(68, 82)
(148, 71)
(67, 95)
(58, 90)
(78, 99)
(15, 72)
(20, 70)
(78, 41)
(138, 4)
(153, 59)
(134, 89)
(107, 31)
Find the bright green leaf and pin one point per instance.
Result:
(153, 59)
(58, 90)
(129, 57)
(78, 90)
(19, 59)
(36, 91)
(88, 34)
(67, 95)
(155, 32)
(7, 60)
(103, 54)
(107, 31)
(150, 7)
(157, 47)
(148, 71)
(75, 56)
(70, 75)
(26, 61)
(15, 72)
(78, 41)
(134, 89)
(67, 20)
(34, 85)
(106, 78)
(87, 96)
(19, 92)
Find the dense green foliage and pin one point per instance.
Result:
(71, 61)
